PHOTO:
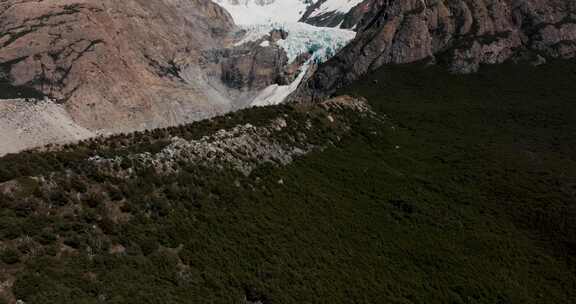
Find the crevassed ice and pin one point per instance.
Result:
(321, 42)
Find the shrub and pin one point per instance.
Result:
(77, 184)
(115, 194)
(148, 246)
(73, 241)
(46, 238)
(94, 199)
(52, 250)
(10, 256)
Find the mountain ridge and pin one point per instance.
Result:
(134, 65)
(462, 35)
(110, 63)
(119, 67)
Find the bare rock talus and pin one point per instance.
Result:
(114, 65)
(27, 123)
(462, 34)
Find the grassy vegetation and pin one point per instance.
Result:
(468, 197)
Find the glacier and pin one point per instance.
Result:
(257, 18)
(321, 42)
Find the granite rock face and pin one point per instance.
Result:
(114, 65)
(461, 34)
(246, 68)
(255, 65)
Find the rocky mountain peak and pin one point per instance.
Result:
(461, 34)
(113, 65)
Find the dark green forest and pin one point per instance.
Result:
(466, 193)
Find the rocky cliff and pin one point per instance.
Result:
(462, 34)
(118, 66)
(274, 51)
(113, 65)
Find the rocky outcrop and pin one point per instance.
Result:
(245, 147)
(249, 68)
(253, 66)
(113, 65)
(462, 34)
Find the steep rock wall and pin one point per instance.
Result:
(114, 65)
(462, 34)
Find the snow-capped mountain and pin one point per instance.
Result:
(328, 13)
(332, 7)
(338, 13)
(335, 6)
(264, 11)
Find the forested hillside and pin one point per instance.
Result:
(447, 189)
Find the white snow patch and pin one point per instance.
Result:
(275, 94)
(335, 6)
(257, 11)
